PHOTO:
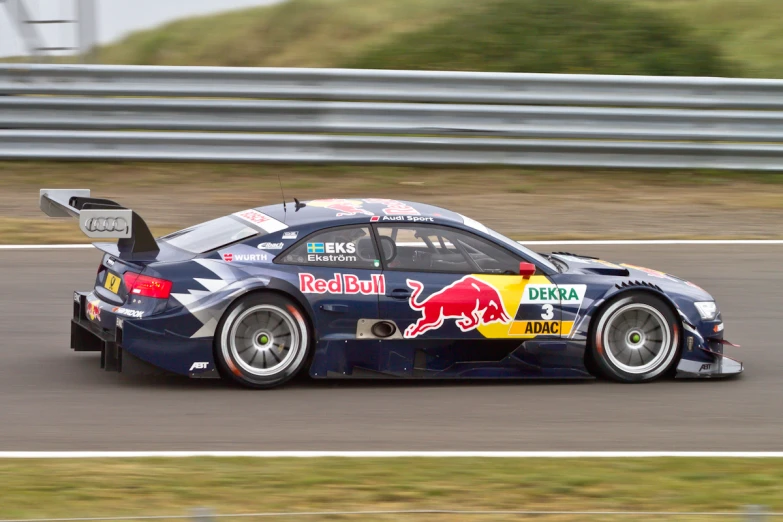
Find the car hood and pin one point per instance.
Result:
(625, 272)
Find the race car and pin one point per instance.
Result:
(376, 288)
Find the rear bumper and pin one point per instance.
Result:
(89, 337)
(148, 340)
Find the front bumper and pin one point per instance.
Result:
(703, 356)
(722, 367)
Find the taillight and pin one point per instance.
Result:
(146, 286)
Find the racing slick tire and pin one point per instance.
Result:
(636, 338)
(262, 341)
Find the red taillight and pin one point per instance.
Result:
(146, 286)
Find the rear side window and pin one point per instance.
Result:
(210, 235)
(343, 247)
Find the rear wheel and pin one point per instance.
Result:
(636, 338)
(262, 341)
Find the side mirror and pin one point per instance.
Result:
(527, 270)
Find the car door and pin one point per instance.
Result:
(446, 283)
(340, 275)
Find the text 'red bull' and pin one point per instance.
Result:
(469, 300)
(342, 284)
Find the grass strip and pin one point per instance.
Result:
(164, 486)
(522, 203)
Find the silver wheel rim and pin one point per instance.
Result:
(264, 340)
(637, 338)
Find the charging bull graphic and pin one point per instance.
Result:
(93, 311)
(469, 300)
(344, 207)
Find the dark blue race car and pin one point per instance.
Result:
(376, 288)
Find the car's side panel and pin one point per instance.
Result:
(450, 359)
(480, 306)
(339, 300)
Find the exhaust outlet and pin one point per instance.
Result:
(383, 329)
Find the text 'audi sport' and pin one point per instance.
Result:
(376, 288)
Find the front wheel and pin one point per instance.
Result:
(262, 341)
(636, 338)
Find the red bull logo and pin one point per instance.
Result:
(470, 301)
(93, 310)
(394, 207)
(344, 207)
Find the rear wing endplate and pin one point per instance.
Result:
(100, 218)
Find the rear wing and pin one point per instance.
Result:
(100, 218)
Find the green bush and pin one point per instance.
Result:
(554, 36)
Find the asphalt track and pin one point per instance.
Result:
(55, 399)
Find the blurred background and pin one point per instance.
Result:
(655, 37)
(717, 38)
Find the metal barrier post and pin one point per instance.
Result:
(203, 515)
(755, 514)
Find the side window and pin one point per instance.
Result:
(342, 247)
(443, 249)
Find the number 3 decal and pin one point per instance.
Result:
(548, 312)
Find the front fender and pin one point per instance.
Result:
(617, 291)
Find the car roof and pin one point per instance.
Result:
(333, 212)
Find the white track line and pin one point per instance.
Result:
(554, 242)
(43, 247)
(386, 454)
(659, 242)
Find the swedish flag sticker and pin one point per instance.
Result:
(315, 248)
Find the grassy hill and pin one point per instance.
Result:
(554, 36)
(583, 36)
(749, 32)
(295, 33)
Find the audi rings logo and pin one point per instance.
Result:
(106, 224)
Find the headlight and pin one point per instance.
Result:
(708, 310)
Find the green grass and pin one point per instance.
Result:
(749, 32)
(737, 37)
(122, 487)
(296, 33)
(578, 36)
(555, 36)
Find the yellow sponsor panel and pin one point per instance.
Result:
(510, 289)
(536, 328)
(566, 327)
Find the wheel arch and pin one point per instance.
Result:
(276, 287)
(620, 292)
(279, 291)
(279, 287)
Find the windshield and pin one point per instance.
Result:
(513, 245)
(210, 235)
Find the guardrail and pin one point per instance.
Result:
(279, 148)
(390, 118)
(107, 112)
